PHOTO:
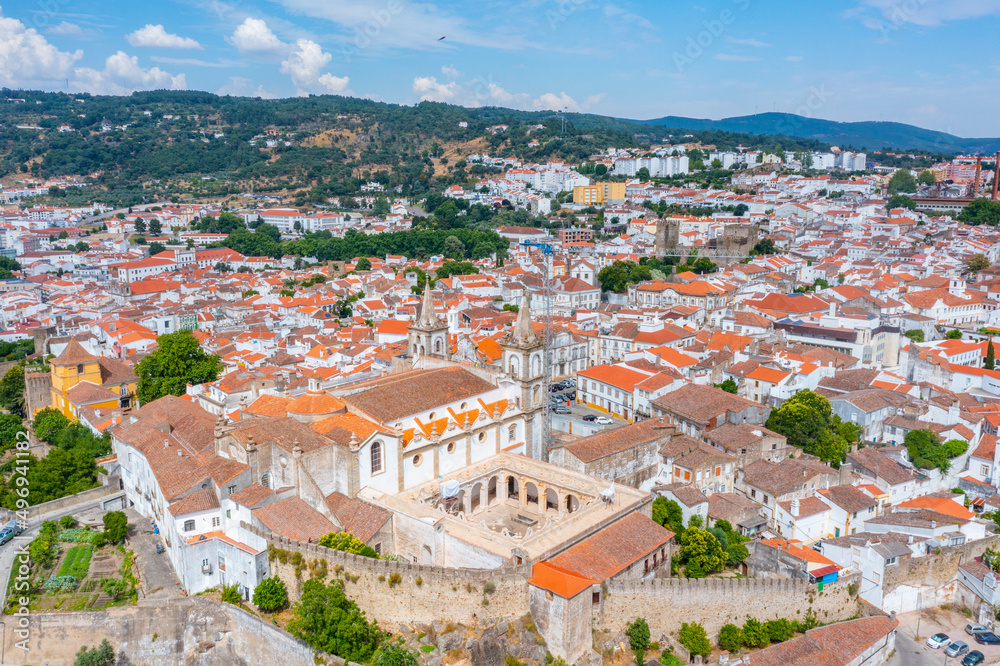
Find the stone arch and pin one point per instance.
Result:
(513, 488)
(438, 346)
(537, 391)
(531, 493)
(476, 497)
(514, 365)
(536, 365)
(551, 499)
(265, 479)
(572, 503)
(491, 491)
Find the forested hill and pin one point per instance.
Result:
(862, 135)
(186, 142)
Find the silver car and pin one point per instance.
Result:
(956, 649)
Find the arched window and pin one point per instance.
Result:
(376, 457)
(437, 346)
(512, 433)
(513, 366)
(536, 365)
(265, 480)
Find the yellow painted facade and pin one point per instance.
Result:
(599, 193)
(75, 366)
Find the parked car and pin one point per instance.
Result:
(974, 658)
(938, 641)
(590, 418)
(6, 535)
(987, 638)
(603, 420)
(956, 649)
(562, 410)
(973, 629)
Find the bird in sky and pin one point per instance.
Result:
(441, 39)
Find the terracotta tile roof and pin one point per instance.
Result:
(392, 397)
(702, 403)
(610, 442)
(358, 517)
(849, 498)
(269, 405)
(881, 465)
(199, 500)
(286, 433)
(86, 393)
(944, 505)
(252, 495)
(832, 645)
(313, 403)
(73, 354)
(614, 548)
(736, 436)
(810, 506)
(557, 580)
(340, 427)
(781, 477)
(295, 519)
(114, 373)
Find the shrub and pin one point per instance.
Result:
(270, 595)
(730, 637)
(348, 543)
(693, 637)
(779, 630)
(329, 621)
(755, 633)
(231, 594)
(394, 654)
(490, 587)
(102, 655)
(115, 526)
(638, 639)
(67, 522)
(395, 579)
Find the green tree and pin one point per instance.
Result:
(102, 655)
(901, 201)
(619, 275)
(454, 248)
(765, 246)
(638, 639)
(394, 653)
(156, 248)
(140, 226)
(701, 552)
(729, 386)
(779, 630)
(730, 638)
(231, 594)
(704, 265)
(327, 620)
(270, 595)
(953, 334)
(924, 449)
(954, 447)
(115, 526)
(348, 543)
(915, 335)
(927, 177)
(449, 268)
(177, 361)
(693, 637)
(381, 207)
(10, 426)
(755, 633)
(363, 264)
(807, 421)
(902, 181)
(981, 211)
(12, 390)
(49, 423)
(976, 263)
(989, 363)
(642, 174)
(668, 513)
(155, 228)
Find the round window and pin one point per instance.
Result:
(451, 447)
(482, 437)
(416, 460)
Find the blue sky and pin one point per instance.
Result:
(932, 63)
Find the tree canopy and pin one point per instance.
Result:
(329, 621)
(619, 275)
(808, 422)
(926, 451)
(981, 211)
(177, 361)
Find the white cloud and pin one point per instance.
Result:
(757, 44)
(304, 66)
(122, 75)
(27, 58)
(450, 71)
(253, 36)
(925, 13)
(554, 102)
(730, 57)
(65, 28)
(157, 37)
(197, 62)
(501, 96)
(430, 90)
(239, 86)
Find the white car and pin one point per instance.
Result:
(938, 641)
(603, 420)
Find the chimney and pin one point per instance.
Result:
(854, 447)
(845, 474)
(795, 508)
(933, 524)
(833, 309)
(166, 443)
(910, 539)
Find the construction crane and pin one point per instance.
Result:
(547, 256)
(996, 175)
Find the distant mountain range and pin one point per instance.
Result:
(869, 135)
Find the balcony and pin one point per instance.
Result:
(206, 569)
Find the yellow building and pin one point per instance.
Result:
(599, 193)
(80, 379)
